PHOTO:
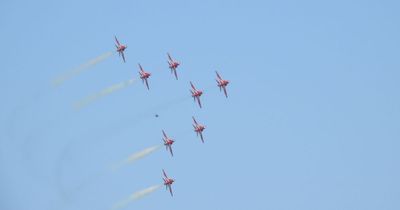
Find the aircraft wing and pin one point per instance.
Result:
(226, 94)
(201, 137)
(198, 100)
(191, 84)
(170, 149)
(165, 135)
(219, 77)
(191, 91)
(123, 56)
(176, 75)
(170, 190)
(147, 84)
(164, 174)
(116, 40)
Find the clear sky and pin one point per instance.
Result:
(312, 120)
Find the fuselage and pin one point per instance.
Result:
(168, 181)
(173, 64)
(223, 83)
(168, 142)
(144, 75)
(121, 48)
(197, 93)
(199, 128)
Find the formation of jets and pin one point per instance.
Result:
(195, 93)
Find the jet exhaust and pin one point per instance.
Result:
(107, 91)
(138, 155)
(76, 71)
(135, 196)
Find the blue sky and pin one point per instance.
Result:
(311, 122)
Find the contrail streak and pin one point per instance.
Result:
(135, 196)
(103, 93)
(138, 155)
(142, 153)
(76, 71)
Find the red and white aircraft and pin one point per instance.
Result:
(168, 143)
(173, 65)
(198, 128)
(120, 48)
(222, 84)
(144, 76)
(168, 182)
(196, 93)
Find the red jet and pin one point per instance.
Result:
(222, 84)
(198, 128)
(168, 182)
(144, 76)
(120, 48)
(168, 143)
(196, 94)
(173, 65)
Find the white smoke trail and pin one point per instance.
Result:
(142, 153)
(135, 196)
(103, 93)
(136, 156)
(76, 71)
